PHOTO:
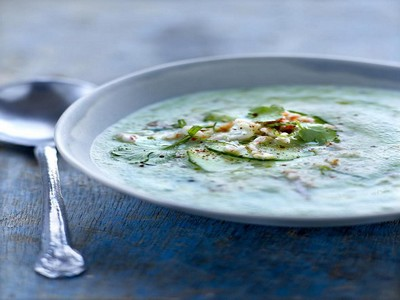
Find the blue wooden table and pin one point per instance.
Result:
(136, 250)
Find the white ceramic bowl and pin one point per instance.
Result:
(89, 116)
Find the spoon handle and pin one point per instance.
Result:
(57, 258)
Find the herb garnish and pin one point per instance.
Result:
(317, 133)
(266, 133)
(180, 124)
(266, 113)
(191, 133)
(216, 117)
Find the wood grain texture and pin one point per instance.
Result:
(136, 250)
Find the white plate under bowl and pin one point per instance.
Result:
(89, 116)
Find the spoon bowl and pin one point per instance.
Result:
(29, 111)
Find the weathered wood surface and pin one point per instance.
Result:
(136, 250)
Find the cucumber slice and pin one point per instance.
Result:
(142, 151)
(216, 162)
(265, 152)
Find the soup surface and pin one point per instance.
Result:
(284, 151)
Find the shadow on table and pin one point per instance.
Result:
(161, 252)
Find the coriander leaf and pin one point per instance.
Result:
(317, 133)
(266, 113)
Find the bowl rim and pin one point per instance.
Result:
(271, 220)
(305, 56)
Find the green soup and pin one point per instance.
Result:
(316, 151)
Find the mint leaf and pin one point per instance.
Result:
(266, 113)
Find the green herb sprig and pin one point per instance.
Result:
(191, 133)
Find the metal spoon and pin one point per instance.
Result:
(29, 111)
